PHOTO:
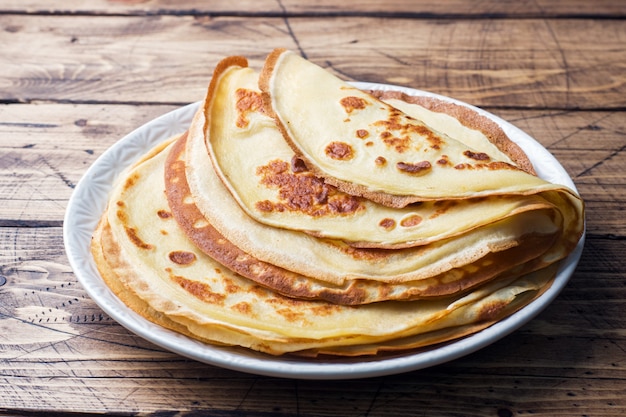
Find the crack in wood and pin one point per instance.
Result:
(57, 172)
(290, 30)
(29, 125)
(564, 62)
(602, 161)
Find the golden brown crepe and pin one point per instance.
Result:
(164, 277)
(368, 148)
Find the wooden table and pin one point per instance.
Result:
(75, 76)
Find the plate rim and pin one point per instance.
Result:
(95, 188)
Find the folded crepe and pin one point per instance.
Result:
(369, 148)
(150, 263)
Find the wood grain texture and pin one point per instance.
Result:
(80, 74)
(525, 63)
(45, 150)
(455, 8)
(591, 146)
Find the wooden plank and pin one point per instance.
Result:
(591, 146)
(113, 59)
(46, 148)
(60, 352)
(456, 8)
(489, 62)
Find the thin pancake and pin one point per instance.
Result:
(263, 174)
(368, 148)
(140, 245)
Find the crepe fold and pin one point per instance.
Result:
(266, 226)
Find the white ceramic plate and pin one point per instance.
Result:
(89, 200)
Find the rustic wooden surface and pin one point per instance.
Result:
(75, 76)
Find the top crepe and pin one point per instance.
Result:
(369, 148)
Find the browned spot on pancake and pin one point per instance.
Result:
(120, 203)
(404, 127)
(131, 232)
(362, 133)
(291, 315)
(323, 309)
(131, 180)
(182, 257)
(230, 286)
(352, 103)
(442, 206)
(339, 150)
(303, 192)
(164, 214)
(199, 290)
(298, 165)
(401, 145)
(443, 160)
(434, 139)
(384, 291)
(411, 221)
(380, 161)
(417, 168)
(369, 143)
(248, 101)
(491, 311)
(366, 253)
(121, 214)
(258, 290)
(491, 166)
(282, 301)
(164, 232)
(498, 165)
(265, 206)
(479, 156)
(387, 224)
(243, 308)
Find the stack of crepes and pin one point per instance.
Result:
(301, 215)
